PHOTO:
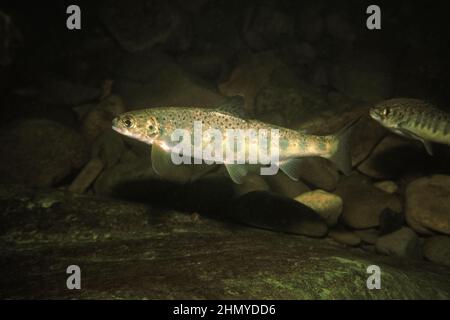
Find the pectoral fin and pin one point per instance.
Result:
(291, 168)
(412, 135)
(237, 172)
(161, 160)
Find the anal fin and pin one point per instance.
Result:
(291, 168)
(237, 172)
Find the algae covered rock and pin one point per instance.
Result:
(403, 243)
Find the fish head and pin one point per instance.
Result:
(140, 125)
(388, 116)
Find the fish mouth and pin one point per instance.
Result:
(114, 125)
(375, 114)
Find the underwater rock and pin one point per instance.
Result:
(134, 251)
(391, 221)
(363, 76)
(437, 249)
(40, 153)
(369, 236)
(269, 211)
(319, 172)
(387, 186)
(266, 26)
(155, 81)
(145, 25)
(345, 237)
(393, 157)
(402, 243)
(428, 204)
(251, 74)
(327, 205)
(282, 185)
(108, 147)
(363, 203)
(131, 178)
(87, 175)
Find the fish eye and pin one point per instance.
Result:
(386, 112)
(151, 127)
(127, 122)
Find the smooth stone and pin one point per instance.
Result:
(282, 185)
(345, 237)
(437, 249)
(319, 172)
(327, 205)
(369, 236)
(269, 211)
(428, 204)
(387, 186)
(363, 203)
(403, 243)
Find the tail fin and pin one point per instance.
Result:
(342, 157)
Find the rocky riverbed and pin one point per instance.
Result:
(134, 251)
(73, 191)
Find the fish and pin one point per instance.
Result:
(414, 119)
(155, 126)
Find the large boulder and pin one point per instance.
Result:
(403, 243)
(428, 204)
(40, 153)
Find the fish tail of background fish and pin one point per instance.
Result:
(341, 155)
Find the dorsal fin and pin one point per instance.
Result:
(233, 106)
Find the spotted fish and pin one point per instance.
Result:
(415, 119)
(155, 126)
